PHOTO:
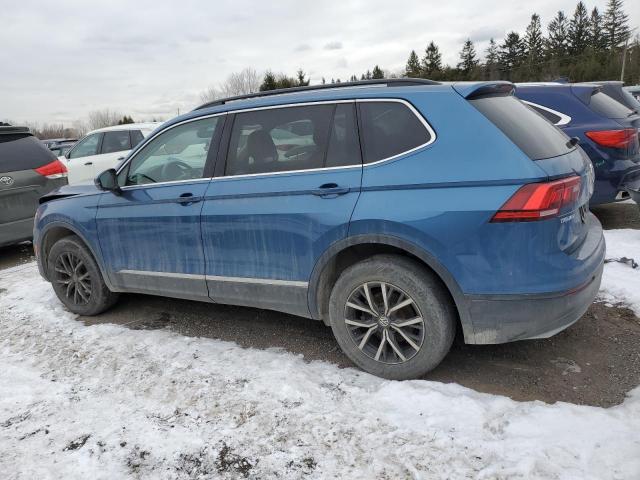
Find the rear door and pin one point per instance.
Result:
(284, 190)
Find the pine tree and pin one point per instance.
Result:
(302, 82)
(377, 72)
(558, 36)
(596, 32)
(492, 61)
(511, 52)
(578, 33)
(432, 61)
(269, 81)
(615, 24)
(468, 61)
(413, 69)
(534, 41)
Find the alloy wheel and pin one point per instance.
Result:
(384, 322)
(71, 273)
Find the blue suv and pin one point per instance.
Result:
(395, 211)
(606, 129)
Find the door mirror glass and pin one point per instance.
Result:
(108, 181)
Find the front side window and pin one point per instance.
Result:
(180, 153)
(389, 129)
(279, 139)
(86, 147)
(116, 141)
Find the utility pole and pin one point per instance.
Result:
(624, 59)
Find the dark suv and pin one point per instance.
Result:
(28, 170)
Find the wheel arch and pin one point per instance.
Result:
(348, 251)
(55, 231)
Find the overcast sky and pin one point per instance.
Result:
(60, 60)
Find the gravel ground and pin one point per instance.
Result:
(595, 362)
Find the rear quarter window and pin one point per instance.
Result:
(23, 152)
(390, 129)
(608, 107)
(529, 130)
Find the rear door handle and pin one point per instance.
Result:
(188, 199)
(88, 163)
(330, 190)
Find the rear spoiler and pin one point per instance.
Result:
(471, 90)
(9, 130)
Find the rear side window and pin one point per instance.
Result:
(116, 141)
(279, 140)
(608, 107)
(22, 152)
(389, 129)
(531, 132)
(136, 137)
(552, 117)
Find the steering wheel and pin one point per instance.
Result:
(176, 170)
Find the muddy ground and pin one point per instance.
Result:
(594, 362)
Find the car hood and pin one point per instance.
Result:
(70, 191)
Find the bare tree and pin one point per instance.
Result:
(103, 118)
(239, 83)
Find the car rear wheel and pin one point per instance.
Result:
(392, 317)
(76, 278)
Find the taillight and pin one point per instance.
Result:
(55, 169)
(614, 138)
(539, 201)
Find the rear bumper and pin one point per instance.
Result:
(14, 232)
(507, 318)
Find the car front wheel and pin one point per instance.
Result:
(392, 317)
(76, 278)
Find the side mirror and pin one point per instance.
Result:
(108, 181)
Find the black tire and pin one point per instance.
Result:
(83, 291)
(404, 280)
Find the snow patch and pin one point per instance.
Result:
(105, 401)
(620, 282)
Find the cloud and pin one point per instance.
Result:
(333, 46)
(302, 47)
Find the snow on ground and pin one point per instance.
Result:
(104, 401)
(621, 283)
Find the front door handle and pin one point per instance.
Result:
(188, 199)
(88, 163)
(330, 190)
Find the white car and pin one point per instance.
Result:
(102, 149)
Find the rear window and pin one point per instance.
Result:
(530, 131)
(22, 152)
(608, 107)
(389, 129)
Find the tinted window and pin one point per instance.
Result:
(388, 129)
(116, 141)
(22, 152)
(552, 117)
(279, 139)
(531, 132)
(86, 147)
(608, 107)
(136, 137)
(180, 153)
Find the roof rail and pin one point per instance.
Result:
(383, 82)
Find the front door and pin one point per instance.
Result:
(283, 192)
(150, 233)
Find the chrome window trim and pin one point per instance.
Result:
(216, 278)
(564, 119)
(406, 103)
